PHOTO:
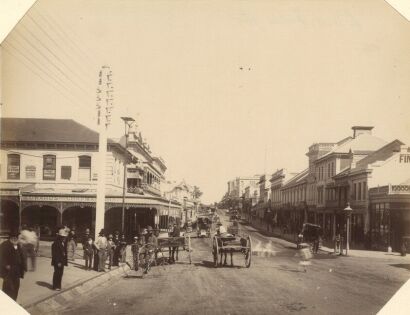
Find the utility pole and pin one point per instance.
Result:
(104, 108)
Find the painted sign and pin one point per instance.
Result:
(49, 174)
(13, 172)
(404, 158)
(30, 171)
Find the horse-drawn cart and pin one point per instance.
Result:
(224, 244)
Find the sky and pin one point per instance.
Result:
(218, 88)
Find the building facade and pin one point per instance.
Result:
(49, 177)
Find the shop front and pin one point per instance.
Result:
(389, 217)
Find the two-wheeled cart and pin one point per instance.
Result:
(222, 245)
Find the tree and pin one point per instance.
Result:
(197, 193)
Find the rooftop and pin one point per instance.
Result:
(46, 130)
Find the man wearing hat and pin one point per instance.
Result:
(101, 245)
(12, 265)
(59, 257)
(150, 238)
(110, 250)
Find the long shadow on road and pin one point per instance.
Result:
(404, 266)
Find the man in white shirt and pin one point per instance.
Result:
(101, 245)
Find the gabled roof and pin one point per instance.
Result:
(377, 156)
(362, 144)
(297, 179)
(46, 130)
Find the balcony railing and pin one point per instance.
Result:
(135, 190)
(151, 189)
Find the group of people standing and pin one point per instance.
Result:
(112, 248)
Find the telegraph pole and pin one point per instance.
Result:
(104, 108)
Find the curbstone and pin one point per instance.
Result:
(56, 303)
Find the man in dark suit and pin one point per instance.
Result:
(12, 265)
(59, 257)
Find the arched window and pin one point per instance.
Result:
(49, 167)
(84, 168)
(13, 166)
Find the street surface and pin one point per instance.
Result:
(274, 284)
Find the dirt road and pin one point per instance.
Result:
(272, 285)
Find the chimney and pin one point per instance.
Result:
(360, 130)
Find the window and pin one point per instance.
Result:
(49, 167)
(13, 166)
(364, 191)
(359, 191)
(66, 172)
(84, 168)
(354, 192)
(328, 170)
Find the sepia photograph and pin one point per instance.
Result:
(205, 157)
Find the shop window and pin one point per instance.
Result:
(13, 166)
(66, 172)
(49, 167)
(84, 168)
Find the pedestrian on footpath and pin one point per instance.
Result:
(116, 241)
(175, 233)
(72, 245)
(59, 257)
(12, 265)
(110, 251)
(101, 244)
(37, 230)
(135, 249)
(28, 241)
(305, 256)
(123, 249)
(337, 243)
(88, 253)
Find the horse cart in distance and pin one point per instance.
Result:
(204, 227)
(227, 243)
(311, 234)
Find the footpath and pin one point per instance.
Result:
(289, 240)
(36, 294)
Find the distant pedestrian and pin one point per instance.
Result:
(175, 233)
(28, 241)
(12, 265)
(123, 249)
(135, 249)
(117, 240)
(37, 230)
(305, 256)
(101, 244)
(72, 245)
(337, 244)
(88, 253)
(110, 251)
(59, 257)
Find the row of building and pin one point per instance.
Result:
(368, 173)
(49, 175)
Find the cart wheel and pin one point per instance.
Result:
(248, 253)
(215, 251)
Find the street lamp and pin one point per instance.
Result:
(348, 211)
(128, 121)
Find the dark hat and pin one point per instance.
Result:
(101, 232)
(117, 232)
(13, 233)
(149, 228)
